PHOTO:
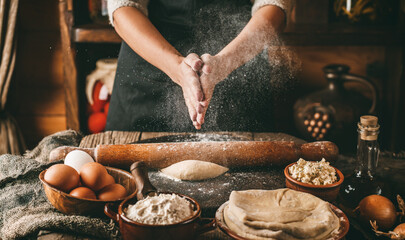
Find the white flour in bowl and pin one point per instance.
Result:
(160, 210)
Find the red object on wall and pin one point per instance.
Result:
(96, 122)
(98, 104)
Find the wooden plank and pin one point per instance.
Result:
(69, 68)
(95, 33)
(109, 137)
(147, 135)
(40, 101)
(39, 59)
(241, 135)
(38, 15)
(34, 128)
(212, 235)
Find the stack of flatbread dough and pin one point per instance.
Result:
(279, 214)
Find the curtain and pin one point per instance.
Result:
(11, 140)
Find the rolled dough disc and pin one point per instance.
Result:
(279, 214)
(194, 170)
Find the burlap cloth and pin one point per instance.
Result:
(24, 209)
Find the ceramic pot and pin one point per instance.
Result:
(331, 114)
(188, 229)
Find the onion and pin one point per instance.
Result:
(380, 209)
(397, 234)
(400, 230)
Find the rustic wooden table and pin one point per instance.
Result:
(210, 194)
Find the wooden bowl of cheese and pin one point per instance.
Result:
(317, 178)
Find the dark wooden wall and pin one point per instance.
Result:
(37, 97)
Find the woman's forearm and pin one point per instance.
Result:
(260, 31)
(142, 36)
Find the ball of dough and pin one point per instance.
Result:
(194, 170)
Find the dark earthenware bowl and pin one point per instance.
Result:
(327, 192)
(187, 229)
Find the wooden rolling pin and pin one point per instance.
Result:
(230, 153)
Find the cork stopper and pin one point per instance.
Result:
(368, 127)
(369, 121)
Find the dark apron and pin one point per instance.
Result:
(146, 99)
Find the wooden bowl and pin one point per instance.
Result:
(343, 223)
(79, 206)
(327, 192)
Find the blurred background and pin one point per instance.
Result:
(58, 44)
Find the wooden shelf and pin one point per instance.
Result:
(95, 33)
(338, 34)
(300, 35)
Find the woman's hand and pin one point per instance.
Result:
(259, 33)
(215, 69)
(187, 77)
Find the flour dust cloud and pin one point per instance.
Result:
(244, 100)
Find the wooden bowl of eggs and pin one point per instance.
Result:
(85, 192)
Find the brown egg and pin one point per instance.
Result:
(95, 176)
(62, 177)
(112, 192)
(83, 192)
(109, 180)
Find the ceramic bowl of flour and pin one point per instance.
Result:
(150, 214)
(189, 228)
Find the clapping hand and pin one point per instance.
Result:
(189, 81)
(201, 77)
(213, 71)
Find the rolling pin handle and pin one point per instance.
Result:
(60, 153)
(143, 185)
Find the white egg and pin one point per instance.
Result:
(76, 159)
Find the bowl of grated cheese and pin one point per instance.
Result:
(317, 178)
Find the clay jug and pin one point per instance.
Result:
(331, 114)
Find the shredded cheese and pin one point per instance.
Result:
(317, 173)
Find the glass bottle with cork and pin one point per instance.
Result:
(364, 181)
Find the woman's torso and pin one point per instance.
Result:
(145, 99)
